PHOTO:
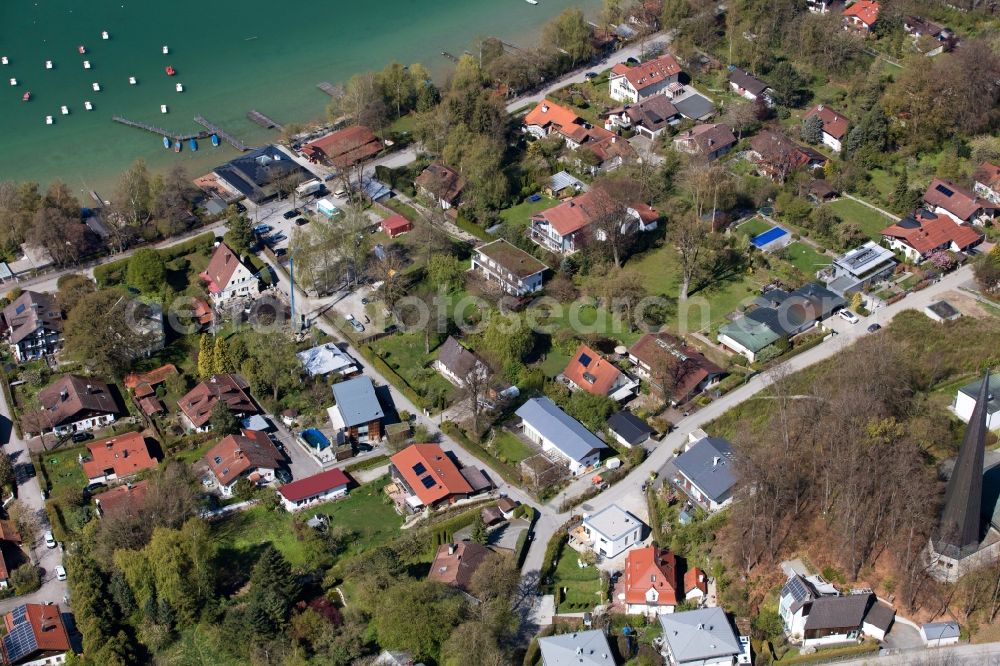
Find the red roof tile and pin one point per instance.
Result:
(123, 500)
(651, 568)
(834, 124)
(344, 147)
(221, 267)
(926, 232)
(989, 175)
(395, 223)
(46, 624)
(956, 200)
(548, 113)
(235, 455)
(313, 485)
(695, 579)
(648, 73)
(591, 372)
(197, 404)
(430, 473)
(123, 455)
(865, 10)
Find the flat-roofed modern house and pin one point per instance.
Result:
(259, 174)
(514, 270)
(33, 326)
(579, 648)
(357, 413)
(429, 476)
(612, 530)
(858, 269)
(965, 401)
(702, 637)
(706, 472)
(559, 433)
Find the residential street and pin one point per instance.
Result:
(983, 654)
(30, 493)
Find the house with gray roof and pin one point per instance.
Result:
(702, 637)
(706, 472)
(560, 435)
(580, 648)
(628, 428)
(33, 326)
(858, 269)
(965, 401)
(357, 413)
(456, 363)
(939, 634)
(611, 531)
(748, 86)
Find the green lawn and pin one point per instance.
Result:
(805, 258)
(554, 363)
(63, 470)
(584, 318)
(755, 226)
(406, 210)
(871, 221)
(517, 216)
(404, 353)
(583, 588)
(506, 445)
(366, 511)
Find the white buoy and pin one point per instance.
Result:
(13, 82)
(4, 60)
(96, 86)
(86, 64)
(131, 80)
(64, 109)
(166, 50)
(48, 64)
(87, 105)
(49, 120)
(163, 108)
(179, 88)
(104, 35)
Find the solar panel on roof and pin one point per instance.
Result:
(585, 360)
(19, 614)
(19, 309)
(796, 589)
(20, 642)
(944, 190)
(419, 469)
(428, 481)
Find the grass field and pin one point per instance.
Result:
(583, 586)
(366, 511)
(406, 210)
(63, 470)
(585, 318)
(510, 448)
(517, 216)
(871, 221)
(755, 226)
(404, 352)
(805, 258)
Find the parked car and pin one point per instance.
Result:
(340, 193)
(301, 221)
(262, 229)
(81, 437)
(60, 572)
(280, 252)
(631, 61)
(289, 214)
(50, 541)
(91, 488)
(283, 475)
(355, 324)
(849, 316)
(240, 207)
(874, 327)
(590, 75)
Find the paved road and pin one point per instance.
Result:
(983, 654)
(30, 494)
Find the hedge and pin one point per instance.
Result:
(367, 463)
(467, 225)
(521, 548)
(113, 272)
(444, 532)
(391, 375)
(832, 653)
(509, 474)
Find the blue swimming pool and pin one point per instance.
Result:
(772, 234)
(315, 439)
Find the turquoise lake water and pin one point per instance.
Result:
(230, 57)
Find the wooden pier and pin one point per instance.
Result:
(263, 121)
(330, 89)
(449, 56)
(222, 134)
(159, 130)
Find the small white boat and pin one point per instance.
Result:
(49, 120)
(87, 105)
(86, 64)
(179, 88)
(131, 80)
(13, 82)
(4, 60)
(163, 108)
(64, 109)
(166, 49)
(48, 64)
(532, 2)
(105, 35)
(96, 86)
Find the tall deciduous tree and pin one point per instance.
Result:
(146, 271)
(690, 237)
(570, 33)
(103, 332)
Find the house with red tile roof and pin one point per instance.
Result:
(251, 454)
(35, 634)
(548, 117)
(563, 229)
(632, 84)
(429, 476)
(396, 225)
(197, 404)
(227, 277)
(947, 198)
(343, 148)
(589, 371)
(861, 15)
(987, 179)
(315, 489)
(834, 125)
(656, 581)
(124, 500)
(117, 458)
(143, 384)
(456, 563)
(709, 140)
(777, 156)
(72, 403)
(662, 357)
(923, 233)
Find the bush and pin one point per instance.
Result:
(367, 463)
(25, 579)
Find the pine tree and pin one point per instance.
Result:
(273, 586)
(220, 357)
(479, 530)
(205, 357)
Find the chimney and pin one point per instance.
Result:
(545, 108)
(451, 549)
(715, 461)
(579, 650)
(819, 107)
(701, 626)
(63, 394)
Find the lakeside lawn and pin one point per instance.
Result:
(583, 587)
(506, 445)
(366, 511)
(805, 258)
(518, 216)
(871, 221)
